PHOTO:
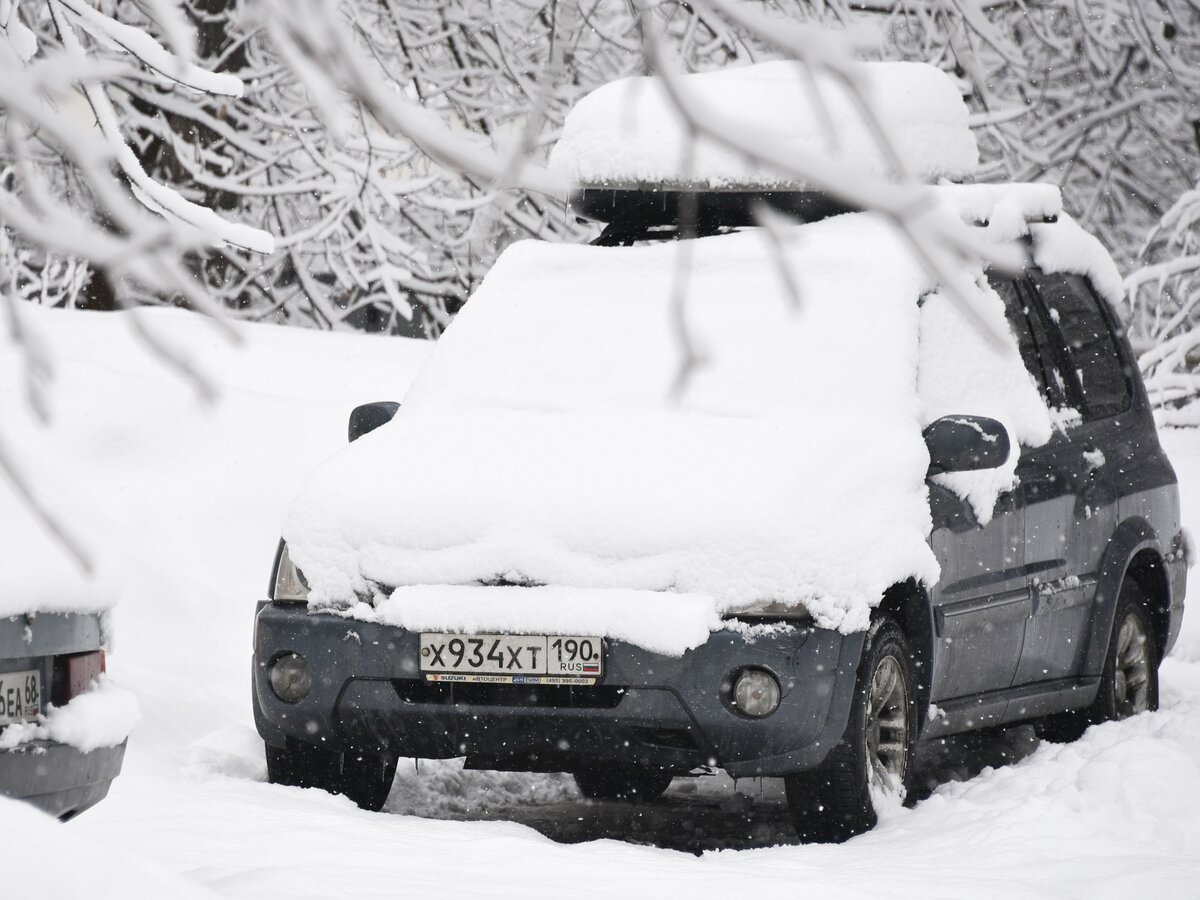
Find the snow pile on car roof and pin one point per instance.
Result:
(540, 444)
(1025, 209)
(1065, 247)
(630, 132)
(1005, 209)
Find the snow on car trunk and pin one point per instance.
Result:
(630, 131)
(543, 444)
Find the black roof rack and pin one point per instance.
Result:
(651, 207)
(648, 213)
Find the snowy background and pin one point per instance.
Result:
(358, 167)
(185, 503)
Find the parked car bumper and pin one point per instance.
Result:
(57, 778)
(650, 711)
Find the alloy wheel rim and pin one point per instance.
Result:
(1131, 671)
(887, 724)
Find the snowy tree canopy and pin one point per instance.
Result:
(393, 149)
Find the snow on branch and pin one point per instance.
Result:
(73, 228)
(148, 51)
(155, 196)
(1164, 311)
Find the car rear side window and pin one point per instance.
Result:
(1100, 382)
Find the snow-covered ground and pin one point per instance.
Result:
(189, 501)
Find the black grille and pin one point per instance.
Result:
(562, 696)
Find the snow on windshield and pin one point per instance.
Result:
(629, 131)
(590, 328)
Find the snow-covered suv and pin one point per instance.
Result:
(777, 503)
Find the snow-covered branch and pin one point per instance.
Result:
(74, 196)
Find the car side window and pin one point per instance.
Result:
(1017, 313)
(1098, 379)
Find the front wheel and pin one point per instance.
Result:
(833, 801)
(364, 778)
(367, 778)
(304, 765)
(614, 784)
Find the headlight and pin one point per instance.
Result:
(772, 609)
(289, 586)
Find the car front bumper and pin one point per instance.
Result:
(57, 778)
(650, 711)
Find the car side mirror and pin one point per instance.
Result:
(966, 444)
(369, 416)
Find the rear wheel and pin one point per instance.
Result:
(365, 778)
(833, 801)
(1129, 683)
(618, 784)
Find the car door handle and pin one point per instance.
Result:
(1093, 459)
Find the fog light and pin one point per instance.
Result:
(290, 679)
(756, 693)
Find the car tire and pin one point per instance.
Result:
(617, 784)
(303, 765)
(833, 801)
(1129, 683)
(364, 778)
(367, 779)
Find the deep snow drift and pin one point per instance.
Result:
(192, 500)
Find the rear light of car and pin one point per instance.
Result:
(74, 674)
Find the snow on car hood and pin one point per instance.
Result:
(549, 440)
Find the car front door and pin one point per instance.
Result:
(982, 600)
(1069, 486)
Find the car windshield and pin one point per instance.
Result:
(612, 333)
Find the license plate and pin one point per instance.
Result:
(512, 658)
(20, 696)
